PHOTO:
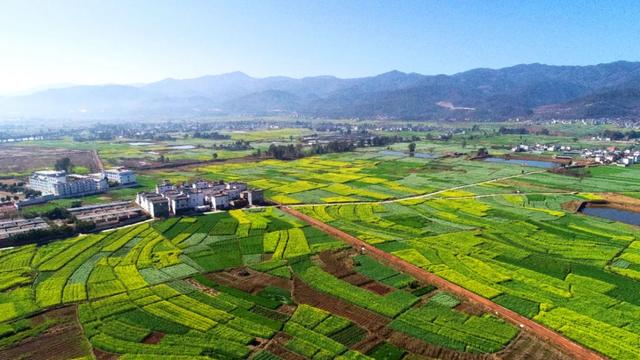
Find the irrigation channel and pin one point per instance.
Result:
(576, 350)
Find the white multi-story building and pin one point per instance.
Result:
(59, 184)
(46, 181)
(120, 175)
(202, 195)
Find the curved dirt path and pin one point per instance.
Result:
(576, 350)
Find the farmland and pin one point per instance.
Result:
(523, 252)
(260, 283)
(352, 177)
(216, 286)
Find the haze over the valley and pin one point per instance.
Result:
(284, 45)
(527, 91)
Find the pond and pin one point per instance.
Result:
(182, 147)
(523, 162)
(625, 216)
(140, 143)
(400, 153)
(424, 155)
(391, 152)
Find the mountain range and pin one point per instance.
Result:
(523, 91)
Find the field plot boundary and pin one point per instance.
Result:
(576, 350)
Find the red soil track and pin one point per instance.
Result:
(577, 351)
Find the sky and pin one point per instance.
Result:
(46, 43)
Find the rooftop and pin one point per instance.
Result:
(50, 172)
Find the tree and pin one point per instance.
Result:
(412, 149)
(64, 164)
(215, 156)
(482, 153)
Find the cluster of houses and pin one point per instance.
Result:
(171, 199)
(540, 148)
(612, 155)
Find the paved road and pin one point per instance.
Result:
(577, 351)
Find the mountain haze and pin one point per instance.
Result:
(525, 91)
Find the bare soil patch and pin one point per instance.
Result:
(357, 279)
(64, 340)
(528, 347)
(202, 288)
(153, 338)
(276, 346)
(28, 158)
(103, 355)
(338, 263)
(422, 348)
(378, 288)
(370, 321)
(368, 343)
(470, 308)
(248, 280)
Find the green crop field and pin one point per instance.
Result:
(574, 274)
(353, 177)
(143, 291)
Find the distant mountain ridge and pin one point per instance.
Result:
(525, 91)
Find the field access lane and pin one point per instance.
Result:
(577, 351)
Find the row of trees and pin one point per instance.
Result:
(64, 164)
(234, 146)
(18, 187)
(291, 152)
(211, 135)
(619, 135)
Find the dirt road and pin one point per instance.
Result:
(576, 350)
(99, 166)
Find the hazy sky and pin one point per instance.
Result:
(108, 41)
